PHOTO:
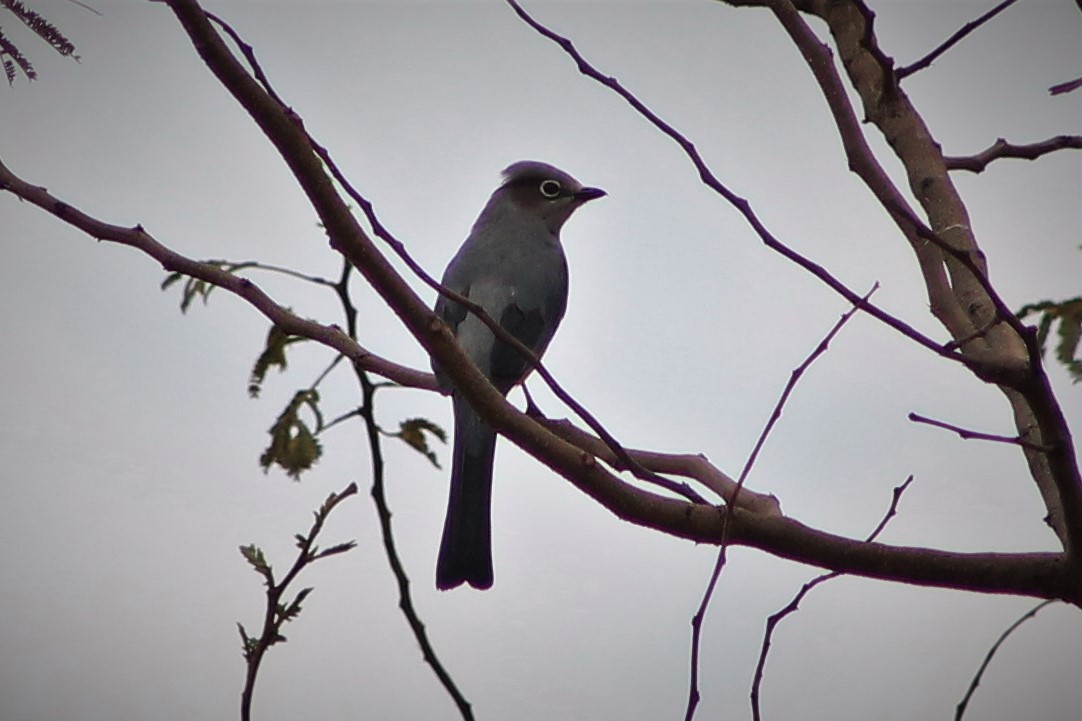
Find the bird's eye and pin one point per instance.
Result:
(550, 189)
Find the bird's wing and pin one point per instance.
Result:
(533, 329)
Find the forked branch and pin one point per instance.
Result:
(1002, 149)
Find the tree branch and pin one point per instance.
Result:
(137, 237)
(961, 709)
(793, 605)
(719, 564)
(405, 598)
(1066, 87)
(693, 466)
(277, 613)
(967, 434)
(1002, 149)
(952, 41)
(964, 304)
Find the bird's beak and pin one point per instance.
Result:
(584, 194)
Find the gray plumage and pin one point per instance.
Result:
(513, 266)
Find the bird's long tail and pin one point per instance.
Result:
(466, 549)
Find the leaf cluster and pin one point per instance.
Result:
(1066, 315)
(12, 57)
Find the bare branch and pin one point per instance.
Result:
(793, 605)
(1002, 361)
(794, 378)
(84, 6)
(962, 301)
(383, 511)
(693, 466)
(1067, 87)
(314, 279)
(719, 564)
(1002, 149)
(277, 611)
(961, 709)
(977, 435)
(137, 237)
(952, 41)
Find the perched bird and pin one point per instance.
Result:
(513, 266)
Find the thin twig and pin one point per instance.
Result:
(719, 564)
(1067, 87)
(686, 465)
(791, 607)
(137, 237)
(961, 709)
(84, 6)
(405, 599)
(967, 434)
(249, 54)
(367, 412)
(326, 371)
(277, 612)
(1002, 149)
(318, 280)
(355, 413)
(952, 41)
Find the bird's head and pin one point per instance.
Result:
(545, 190)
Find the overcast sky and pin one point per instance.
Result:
(129, 447)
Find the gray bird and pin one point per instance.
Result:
(513, 266)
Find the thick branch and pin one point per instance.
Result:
(1002, 149)
(967, 303)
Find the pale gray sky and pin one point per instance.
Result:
(129, 446)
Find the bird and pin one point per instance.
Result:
(513, 266)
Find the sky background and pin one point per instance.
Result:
(129, 446)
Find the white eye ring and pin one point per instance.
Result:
(550, 188)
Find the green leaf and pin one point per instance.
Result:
(414, 432)
(1070, 330)
(198, 288)
(1067, 317)
(247, 643)
(274, 354)
(290, 612)
(293, 446)
(254, 556)
(334, 550)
